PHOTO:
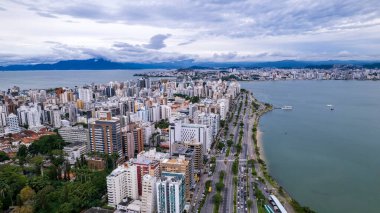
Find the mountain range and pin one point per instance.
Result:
(102, 64)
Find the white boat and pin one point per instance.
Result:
(330, 106)
(287, 107)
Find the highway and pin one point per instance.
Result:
(245, 178)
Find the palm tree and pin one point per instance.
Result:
(3, 189)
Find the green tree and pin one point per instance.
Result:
(38, 161)
(22, 153)
(249, 203)
(229, 143)
(219, 186)
(27, 194)
(217, 199)
(3, 156)
(42, 197)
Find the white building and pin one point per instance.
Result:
(30, 115)
(56, 119)
(223, 107)
(74, 134)
(85, 94)
(211, 120)
(148, 197)
(166, 111)
(74, 151)
(121, 183)
(12, 122)
(184, 132)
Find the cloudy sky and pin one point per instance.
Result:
(43, 31)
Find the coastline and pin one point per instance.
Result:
(288, 201)
(259, 139)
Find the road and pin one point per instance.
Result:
(245, 178)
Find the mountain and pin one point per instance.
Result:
(102, 64)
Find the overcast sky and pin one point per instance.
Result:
(42, 31)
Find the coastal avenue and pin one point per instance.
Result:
(245, 178)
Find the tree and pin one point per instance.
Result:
(22, 153)
(249, 203)
(27, 194)
(42, 197)
(217, 198)
(220, 146)
(219, 186)
(38, 160)
(3, 156)
(24, 209)
(229, 143)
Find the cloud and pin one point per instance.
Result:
(187, 42)
(239, 30)
(47, 15)
(157, 42)
(233, 18)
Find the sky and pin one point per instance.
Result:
(43, 31)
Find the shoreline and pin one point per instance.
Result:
(259, 139)
(284, 196)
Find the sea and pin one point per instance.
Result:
(326, 159)
(64, 78)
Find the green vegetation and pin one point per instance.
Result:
(249, 204)
(202, 203)
(300, 209)
(228, 151)
(162, 124)
(230, 77)
(41, 182)
(220, 145)
(217, 199)
(235, 166)
(3, 156)
(192, 99)
(46, 145)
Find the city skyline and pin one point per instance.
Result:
(154, 31)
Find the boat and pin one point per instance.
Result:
(287, 107)
(330, 106)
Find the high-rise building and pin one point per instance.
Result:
(145, 166)
(198, 154)
(170, 190)
(182, 132)
(211, 120)
(105, 136)
(30, 116)
(128, 145)
(56, 119)
(74, 134)
(148, 197)
(121, 183)
(12, 122)
(138, 136)
(85, 94)
(180, 165)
